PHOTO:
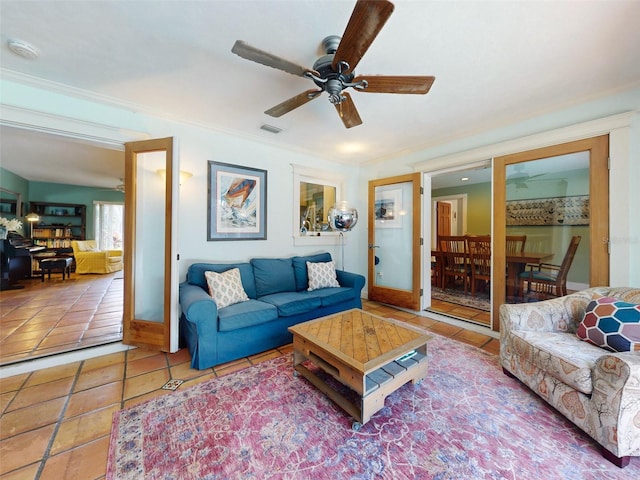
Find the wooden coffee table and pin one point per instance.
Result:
(373, 356)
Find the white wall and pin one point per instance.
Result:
(597, 117)
(114, 124)
(103, 124)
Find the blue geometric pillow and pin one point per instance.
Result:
(612, 324)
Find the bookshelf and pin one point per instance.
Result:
(59, 224)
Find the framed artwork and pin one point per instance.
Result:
(237, 208)
(572, 210)
(388, 204)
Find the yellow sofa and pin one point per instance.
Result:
(91, 260)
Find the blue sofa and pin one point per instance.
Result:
(278, 299)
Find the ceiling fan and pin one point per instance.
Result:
(520, 178)
(117, 188)
(335, 71)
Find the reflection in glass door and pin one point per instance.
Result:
(547, 205)
(554, 196)
(394, 241)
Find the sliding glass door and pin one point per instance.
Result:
(551, 196)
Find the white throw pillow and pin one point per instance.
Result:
(322, 275)
(226, 288)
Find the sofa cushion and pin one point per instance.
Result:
(333, 296)
(322, 275)
(226, 288)
(612, 324)
(245, 314)
(300, 268)
(273, 275)
(561, 355)
(292, 303)
(195, 275)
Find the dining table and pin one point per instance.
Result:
(516, 264)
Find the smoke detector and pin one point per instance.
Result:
(23, 49)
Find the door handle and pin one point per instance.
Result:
(371, 245)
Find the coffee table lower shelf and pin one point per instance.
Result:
(378, 384)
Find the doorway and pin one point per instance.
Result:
(55, 315)
(460, 205)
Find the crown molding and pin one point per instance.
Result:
(67, 90)
(78, 93)
(91, 132)
(600, 126)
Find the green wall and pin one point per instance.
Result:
(539, 238)
(478, 205)
(17, 184)
(58, 193)
(61, 193)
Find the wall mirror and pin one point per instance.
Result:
(314, 192)
(10, 204)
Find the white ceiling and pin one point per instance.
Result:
(495, 63)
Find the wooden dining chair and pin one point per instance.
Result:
(515, 244)
(479, 260)
(455, 254)
(547, 280)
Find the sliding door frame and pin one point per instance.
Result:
(598, 148)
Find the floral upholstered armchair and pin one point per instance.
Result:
(91, 260)
(581, 354)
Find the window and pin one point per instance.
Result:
(109, 225)
(315, 192)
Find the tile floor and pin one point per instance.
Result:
(56, 422)
(59, 315)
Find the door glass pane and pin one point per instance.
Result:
(393, 235)
(547, 201)
(149, 277)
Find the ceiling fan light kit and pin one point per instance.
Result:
(335, 71)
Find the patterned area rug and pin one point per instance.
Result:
(466, 420)
(480, 301)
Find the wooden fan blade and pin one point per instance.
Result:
(254, 54)
(293, 103)
(367, 19)
(395, 84)
(348, 112)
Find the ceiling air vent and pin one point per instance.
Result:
(270, 128)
